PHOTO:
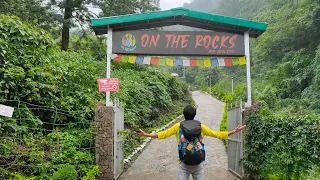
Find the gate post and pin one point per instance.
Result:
(104, 132)
(235, 142)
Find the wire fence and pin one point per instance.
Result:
(38, 139)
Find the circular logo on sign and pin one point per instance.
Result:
(114, 87)
(128, 42)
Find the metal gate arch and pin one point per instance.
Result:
(235, 142)
(176, 16)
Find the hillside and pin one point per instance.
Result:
(55, 94)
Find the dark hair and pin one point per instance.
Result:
(189, 112)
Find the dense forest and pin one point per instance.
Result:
(284, 58)
(285, 80)
(50, 61)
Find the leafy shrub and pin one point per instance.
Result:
(228, 98)
(283, 146)
(22, 48)
(65, 172)
(92, 173)
(224, 123)
(18, 176)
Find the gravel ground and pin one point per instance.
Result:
(159, 161)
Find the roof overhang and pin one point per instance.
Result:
(178, 16)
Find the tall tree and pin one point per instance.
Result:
(77, 11)
(74, 11)
(31, 11)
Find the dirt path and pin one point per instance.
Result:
(159, 160)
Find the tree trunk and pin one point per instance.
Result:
(66, 25)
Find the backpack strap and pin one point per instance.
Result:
(191, 129)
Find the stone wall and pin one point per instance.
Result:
(104, 117)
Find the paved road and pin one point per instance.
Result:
(159, 160)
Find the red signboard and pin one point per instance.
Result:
(108, 84)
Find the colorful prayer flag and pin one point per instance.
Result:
(132, 59)
(200, 62)
(169, 61)
(186, 62)
(228, 61)
(154, 61)
(113, 56)
(139, 60)
(147, 60)
(221, 62)
(124, 58)
(193, 62)
(118, 58)
(178, 61)
(214, 62)
(162, 61)
(242, 61)
(206, 62)
(235, 61)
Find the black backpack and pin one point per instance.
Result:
(191, 149)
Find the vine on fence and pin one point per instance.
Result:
(35, 148)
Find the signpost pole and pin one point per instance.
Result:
(109, 53)
(210, 86)
(232, 84)
(247, 53)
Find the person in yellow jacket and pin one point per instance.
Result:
(189, 134)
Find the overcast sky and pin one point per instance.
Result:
(168, 4)
(164, 5)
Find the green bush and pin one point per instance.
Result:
(65, 172)
(224, 123)
(92, 173)
(228, 98)
(286, 147)
(18, 176)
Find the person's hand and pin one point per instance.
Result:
(239, 128)
(140, 133)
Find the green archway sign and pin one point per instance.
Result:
(129, 35)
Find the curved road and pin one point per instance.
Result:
(159, 161)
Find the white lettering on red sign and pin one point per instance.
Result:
(108, 84)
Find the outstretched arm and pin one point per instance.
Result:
(236, 130)
(163, 134)
(142, 133)
(220, 135)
